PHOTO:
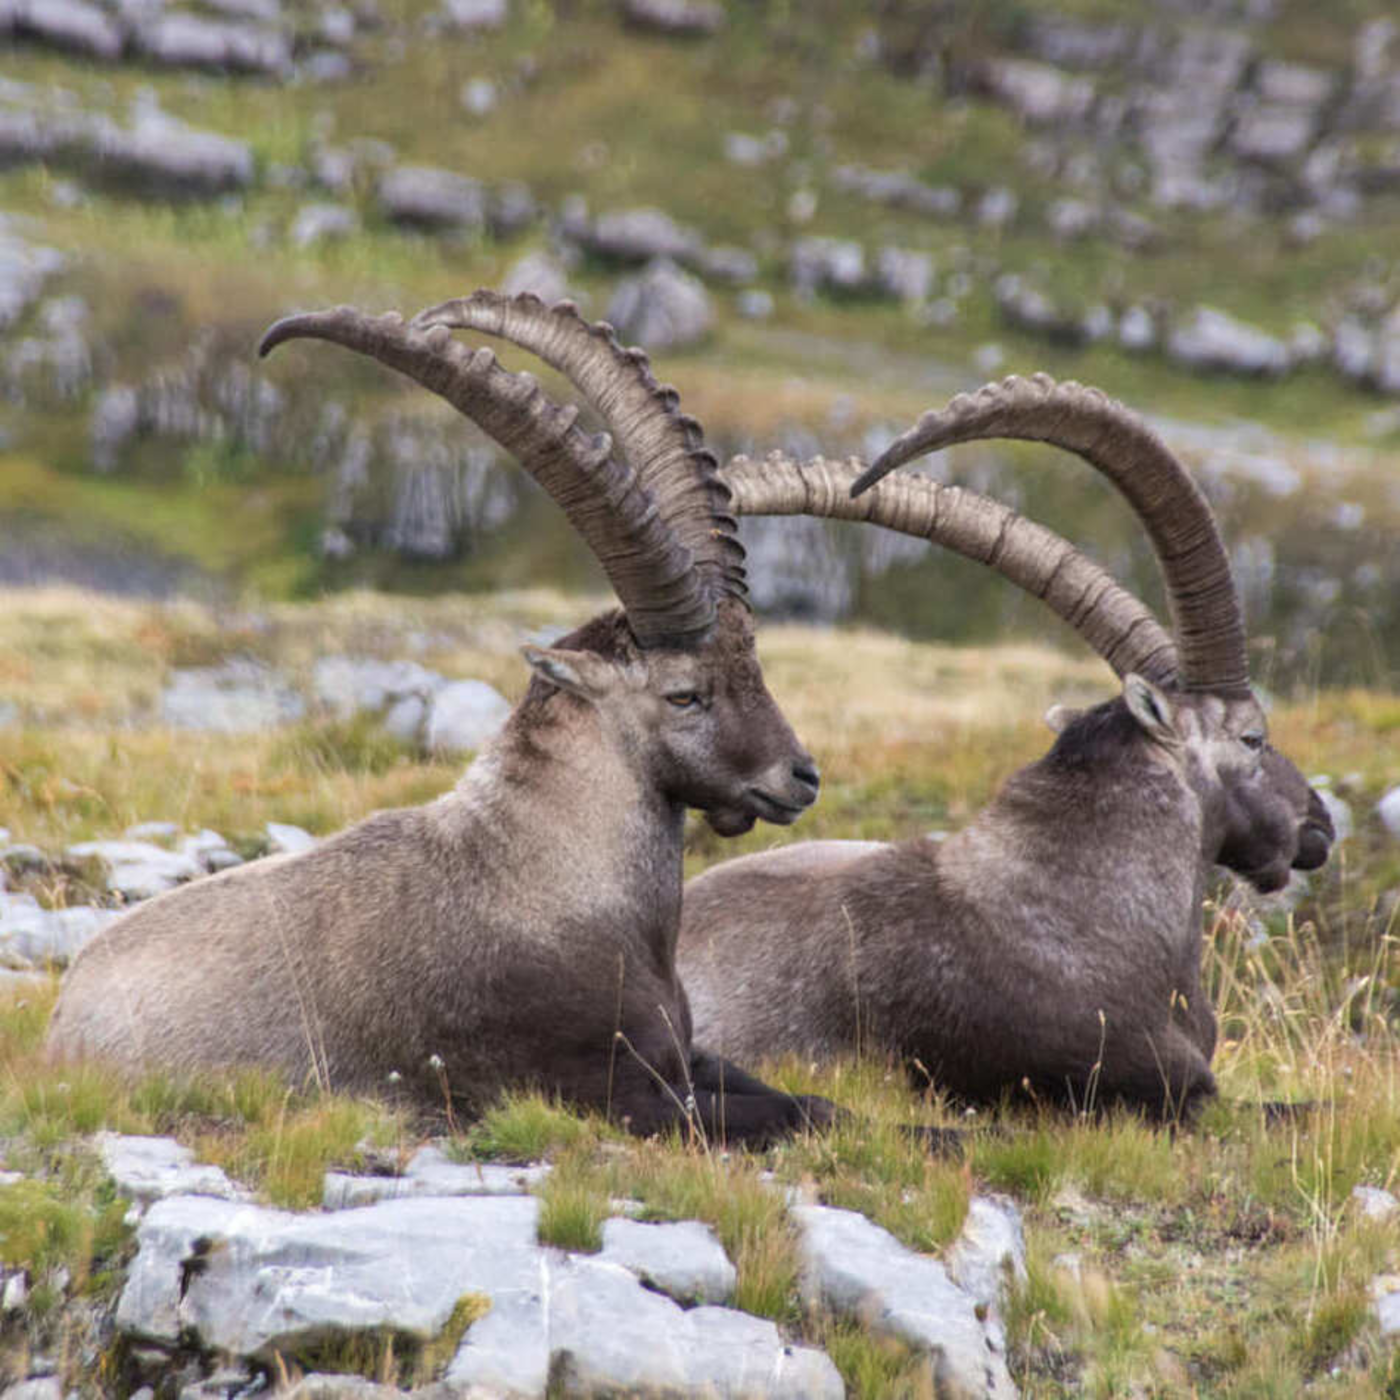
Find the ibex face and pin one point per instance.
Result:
(1261, 817)
(698, 720)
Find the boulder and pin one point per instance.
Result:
(349, 684)
(464, 715)
(33, 937)
(681, 1258)
(470, 15)
(662, 309)
(539, 273)
(284, 839)
(898, 188)
(25, 269)
(146, 1169)
(322, 223)
(1213, 340)
(1037, 92)
(238, 696)
(1271, 134)
(1373, 1203)
(432, 198)
(1388, 810)
(161, 154)
(682, 18)
(641, 235)
(904, 273)
(210, 850)
(431, 1172)
(75, 25)
(137, 869)
(826, 264)
(853, 1267)
(182, 40)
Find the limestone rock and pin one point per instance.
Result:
(237, 696)
(184, 40)
(826, 264)
(683, 18)
(348, 684)
(468, 15)
(641, 235)
(70, 24)
(663, 308)
(1210, 339)
(464, 715)
(1388, 810)
(34, 937)
(288, 840)
(682, 1258)
(137, 869)
(322, 223)
(433, 198)
(431, 1173)
(151, 1168)
(272, 1278)
(853, 1266)
(1374, 1203)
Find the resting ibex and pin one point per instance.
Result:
(521, 929)
(1054, 943)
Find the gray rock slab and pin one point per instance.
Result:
(184, 40)
(609, 1335)
(464, 715)
(152, 831)
(682, 1258)
(236, 697)
(1373, 1203)
(1210, 339)
(288, 840)
(431, 1172)
(683, 18)
(853, 1267)
(31, 936)
(138, 869)
(348, 684)
(1388, 810)
(70, 24)
(151, 1168)
(663, 308)
(273, 1278)
(40, 1388)
(1385, 1303)
(639, 235)
(434, 198)
(209, 849)
(164, 154)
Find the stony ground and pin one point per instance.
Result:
(1236, 1258)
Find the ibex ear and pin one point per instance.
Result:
(1152, 708)
(582, 673)
(1060, 717)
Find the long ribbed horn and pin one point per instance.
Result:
(1206, 613)
(665, 597)
(664, 445)
(1118, 627)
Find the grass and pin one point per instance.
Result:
(1228, 1258)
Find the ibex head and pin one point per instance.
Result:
(673, 677)
(1261, 818)
(698, 718)
(1189, 696)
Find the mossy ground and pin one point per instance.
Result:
(1227, 1258)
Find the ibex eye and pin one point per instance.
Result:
(683, 699)
(1253, 739)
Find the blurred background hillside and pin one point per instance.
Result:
(821, 219)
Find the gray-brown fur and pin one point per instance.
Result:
(521, 929)
(1053, 943)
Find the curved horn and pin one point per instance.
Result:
(1208, 622)
(664, 445)
(653, 573)
(1118, 627)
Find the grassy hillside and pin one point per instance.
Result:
(1226, 1260)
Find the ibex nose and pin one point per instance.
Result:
(806, 772)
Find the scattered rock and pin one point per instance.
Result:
(826, 264)
(898, 188)
(641, 235)
(347, 684)
(1037, 92)
(287, 840)
(152, 831)
(1373, 1203)
(210, 850)
(1385, 1303)
(539, 273)
(238, 696)
(40, 1388)
(137, 869)
(160, 154)
(684, 18)
(150, 1168)
(905, 274)
(69, 24)
(431, 198)
(1388, 810)
(470, 15)
(321, 223)
(465, 715)
(662, 309)
(430, 1173)
(681, 1258)
(190, 41)
(854, 1267)
(1212, 340)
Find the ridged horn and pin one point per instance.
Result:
(1110, 619)
(664, 445)
(1206, 613)
(665, 597)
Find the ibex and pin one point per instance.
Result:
(1052, 945)
(521, 929)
